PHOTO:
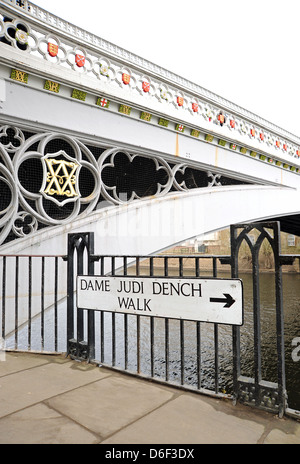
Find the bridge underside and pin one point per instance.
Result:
(289, 224)
(152, 225)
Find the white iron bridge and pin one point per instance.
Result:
(95, 138)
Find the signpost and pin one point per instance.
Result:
(207, 300)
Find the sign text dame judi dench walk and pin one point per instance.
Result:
(207, 300)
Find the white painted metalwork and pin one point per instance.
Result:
(106, 63)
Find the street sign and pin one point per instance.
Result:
(207, 300)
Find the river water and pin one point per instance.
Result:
(291, 305)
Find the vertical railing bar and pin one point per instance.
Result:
(102, 265)
(126, 341)
(56, 305)
(215, 270)
(138, 331)
(257, 324)
(43, 302)
(151, 270)
(180, 266)
(102, 336)
(138, 324)
(113, 338)
(182, 350)
(113, 318)
(198, 329)
(113, 266)
(281, 372)
(29, 301)
(152, 345)
(70, 293)
(181, 330)
(151, 273)
(3, 296)
(199, 354)
(91, 313)
(236, 336)
(125, 318)
(166, 266)
(125, 271)
(216, 338)
(16, 301)
(197, 266)
(80, 313)
(217, 366)
(167, 354)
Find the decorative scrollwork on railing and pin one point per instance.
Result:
(9, 194)
(11, 138)
(24, 224)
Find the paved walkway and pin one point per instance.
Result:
(48, 399)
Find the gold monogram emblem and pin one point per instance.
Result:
(60, 182)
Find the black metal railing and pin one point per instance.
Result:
(38, 312)
(204, 357)
(168, 350)
(31, 314)
(190, 354)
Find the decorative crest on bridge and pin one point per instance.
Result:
(60, 182)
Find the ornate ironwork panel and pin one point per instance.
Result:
(50, 179)
(257, 391)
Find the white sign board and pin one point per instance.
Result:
(206, 300)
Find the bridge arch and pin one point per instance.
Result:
(154, 224)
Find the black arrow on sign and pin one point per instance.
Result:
(228, 300)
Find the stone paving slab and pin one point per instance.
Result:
(40, 424)
(51, 399)
(110, 404)
(16, 362)
(188, 420)
(39, 382)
